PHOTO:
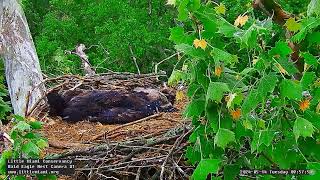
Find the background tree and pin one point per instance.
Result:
(22, 67)
(109, 27)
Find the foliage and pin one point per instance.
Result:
(110, 27)
(249, 105)
(5, 106)
(27, 144)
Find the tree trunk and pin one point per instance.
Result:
(22, 67)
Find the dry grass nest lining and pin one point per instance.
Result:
(148, 148)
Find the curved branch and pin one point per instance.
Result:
(272, 9)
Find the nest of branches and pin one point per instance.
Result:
(149, 148)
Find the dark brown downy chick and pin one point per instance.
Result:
(108, 106)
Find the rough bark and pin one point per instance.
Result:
(22, 67)
(272, 9)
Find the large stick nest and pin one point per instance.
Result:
(150, 148)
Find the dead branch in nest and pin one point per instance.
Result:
(134, 59)
(125, 125)
(174, 146)
(79, 51)
(149, 158)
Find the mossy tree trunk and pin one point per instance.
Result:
(22, 67)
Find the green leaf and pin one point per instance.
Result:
(265, 86)
(261, 124)
(221, 9)
(231, 171)
(18, 118)
(17, 143)
(289, 66)
(314, 38)
(307, 79)
(175, 77)
(262, 137)
(6, 154)
(205, 167)
(22, 126)
(247, 124)
(209, 22)
(284, 153)
(227, 29)
(313, 117)
(178, 36)
(31, 135)
(250, 102)
(183, 11)
(281, 49)
(291, 89)
(315, 167)
(302, 127)
(30, 149)
(195, 108)
(308, 24)
(193, 88)
(46, 177)
(189, 50)
(248, 38)
(309, 59)
(216, 91)
(314, 8)
(193, 155)
(224, 137)
(41, 143)
(36, 124)
(240, 131)
(194, 5)
(292, 25)
(223, 56)
(19, 178)
(260, 163)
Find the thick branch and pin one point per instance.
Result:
(272, 9)
(79, 51)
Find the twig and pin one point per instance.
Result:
(108, 167)
(79, 51)
(107, 177)
(149, 144)
(180, 170)
(176, 143)
(150, 7)
(78, 85)
(64, 145)
(125, 125)
(138, 174)
(160, 62)
(134, 60)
